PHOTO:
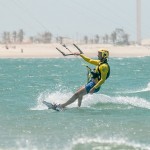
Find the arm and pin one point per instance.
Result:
(89, 60)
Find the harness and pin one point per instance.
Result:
(93, 74)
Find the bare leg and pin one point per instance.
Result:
(78, 95)
(80, 101)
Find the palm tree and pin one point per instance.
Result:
(20, 36)
(47, 37)
(96, 39)
(14, 36)
(113, 37)
(6, 37)
(85, 39)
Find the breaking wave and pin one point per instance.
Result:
(92, 101)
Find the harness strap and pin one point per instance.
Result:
(100, 72)
(99, 76)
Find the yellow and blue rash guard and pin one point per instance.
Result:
(102, 68)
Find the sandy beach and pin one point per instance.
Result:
(49, 50)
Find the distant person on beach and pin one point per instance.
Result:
(98, 77)
(6, 47)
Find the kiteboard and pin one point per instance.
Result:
(50, 105)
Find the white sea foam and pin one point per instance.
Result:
(137, 90)
(123, 100)
(25, 145)
(94, 143)
(147, 88)
(90, 100)
(100, 143)
(55, 97)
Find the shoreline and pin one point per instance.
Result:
(49, 50)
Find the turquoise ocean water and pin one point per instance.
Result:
(117, 117)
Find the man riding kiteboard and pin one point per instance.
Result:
(98, 77)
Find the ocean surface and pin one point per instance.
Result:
(116, 118)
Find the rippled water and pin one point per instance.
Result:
(117, 117)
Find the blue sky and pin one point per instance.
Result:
(73, 18)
